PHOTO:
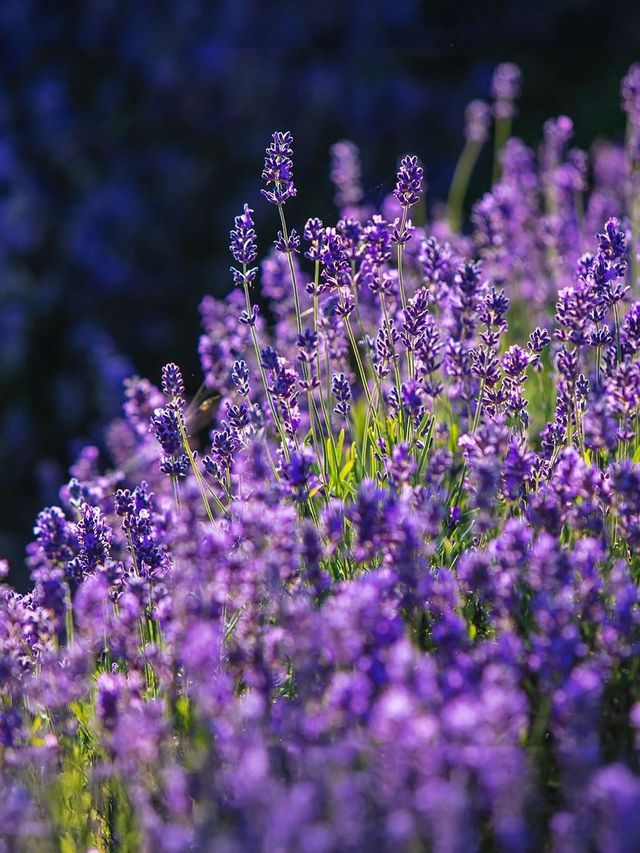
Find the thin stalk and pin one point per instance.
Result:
(199, 478)
(133, 554)
(228, 481)
(327, 359)
(460, 182)
(579, 208)
(292, 271)
(396, 368)
(356, 301)
(425, 450)
(360, 366)
(176, 493)
(263, 375)
(325, 412)
(376, 378)
(363, 379)
(296, 300)
(501, 135)
(403, 295)
(314, 418)
(68, 614)
(316, 329)
(578, 419)
(400, 249)
(616, 319)
(474, 427)
(365, 435)
(197, 474)
(274, 470)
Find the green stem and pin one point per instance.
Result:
(263, 376)
(502, 133)
(68, 614)
(474, 427)
(460, 182)
(316, 329)
(400, 248)
(403, 295)
(296, 300)
(199, 478)
(356, 353)
(396, 369)
(292, 271)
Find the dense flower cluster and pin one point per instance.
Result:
(119, 123)
(375, 587)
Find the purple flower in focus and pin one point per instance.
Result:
(278, 169)
(172, 382)
(244, 248)
(94, 537)
(409, 184)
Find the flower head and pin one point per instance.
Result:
(244, 248)
(409, 185)
(505, 88)
(477, 121)
(278, 169)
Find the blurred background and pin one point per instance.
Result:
(132, 132)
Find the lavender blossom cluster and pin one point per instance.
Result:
(374, 585)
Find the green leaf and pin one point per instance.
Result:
(453, 437)
(339, 446)
(346, 470)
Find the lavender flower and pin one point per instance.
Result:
(278, 169)
(409, 185)
(298, 475)
(505, 88)
(341, 390)
(94, 537)
(314, 234)
(477, 117)
(172, 383)
(240, 377)
(307, 346)
(324, 631)
(55, 535)
(167, 424)
(224, 444)
(288, 246)
(244, 248)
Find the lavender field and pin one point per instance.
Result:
(371, 581)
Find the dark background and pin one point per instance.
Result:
(132, 132)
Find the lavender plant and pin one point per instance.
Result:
(375, 586)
